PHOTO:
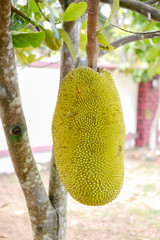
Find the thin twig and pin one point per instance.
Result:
(152, 2)
(158, 31)
(42, 12)
(132, 38)
(37, 25)
(15, 10)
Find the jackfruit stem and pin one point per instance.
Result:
(92, 48)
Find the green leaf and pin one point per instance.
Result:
(53, 14)
(18, 22)
(21, 57)
(27, 8)
(34, 7)
(25, 55)
(150, 25)
(83, 42)
(55, 31)
(83, 36)
(53, 19)
(31, 58)
(137, 73)
(30, 39)
(74, 11)
(144, 76)
(152, 53)
(104, 45)
(84, 24)
(115, 8)
(68, 42)
(152, 69)
(37, 16)
(155, 40)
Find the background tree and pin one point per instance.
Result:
(23, 26)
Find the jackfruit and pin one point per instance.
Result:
(88, 135)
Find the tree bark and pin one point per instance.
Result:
(42, 214)
(92, 48)
(139, 7)
(67, 61)
(131, 38)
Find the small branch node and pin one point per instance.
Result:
(16, 131)
(91, 11)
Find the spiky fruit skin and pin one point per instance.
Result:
(88, 134)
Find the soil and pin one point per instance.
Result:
(134, 215)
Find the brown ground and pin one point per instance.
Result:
(134, 215)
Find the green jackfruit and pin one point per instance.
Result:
(88, 134)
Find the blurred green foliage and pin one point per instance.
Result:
(142, 58)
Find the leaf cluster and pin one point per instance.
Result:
(41, 28)
(38, 24)
(147, 52)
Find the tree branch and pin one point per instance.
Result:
(139, 7)
(128, 31)
(47, 19)
(37, 25)
(92, 48)
(67, 61)
(132, 38)
(42, 214)
(58, 197)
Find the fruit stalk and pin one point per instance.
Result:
(92, 48)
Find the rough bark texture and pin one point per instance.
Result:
(131, 38)
(92, 48)
(42, 214)
(58, 197)
(57, 192)
(67, 61)
(152, 2)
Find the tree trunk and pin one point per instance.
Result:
(42, 214)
